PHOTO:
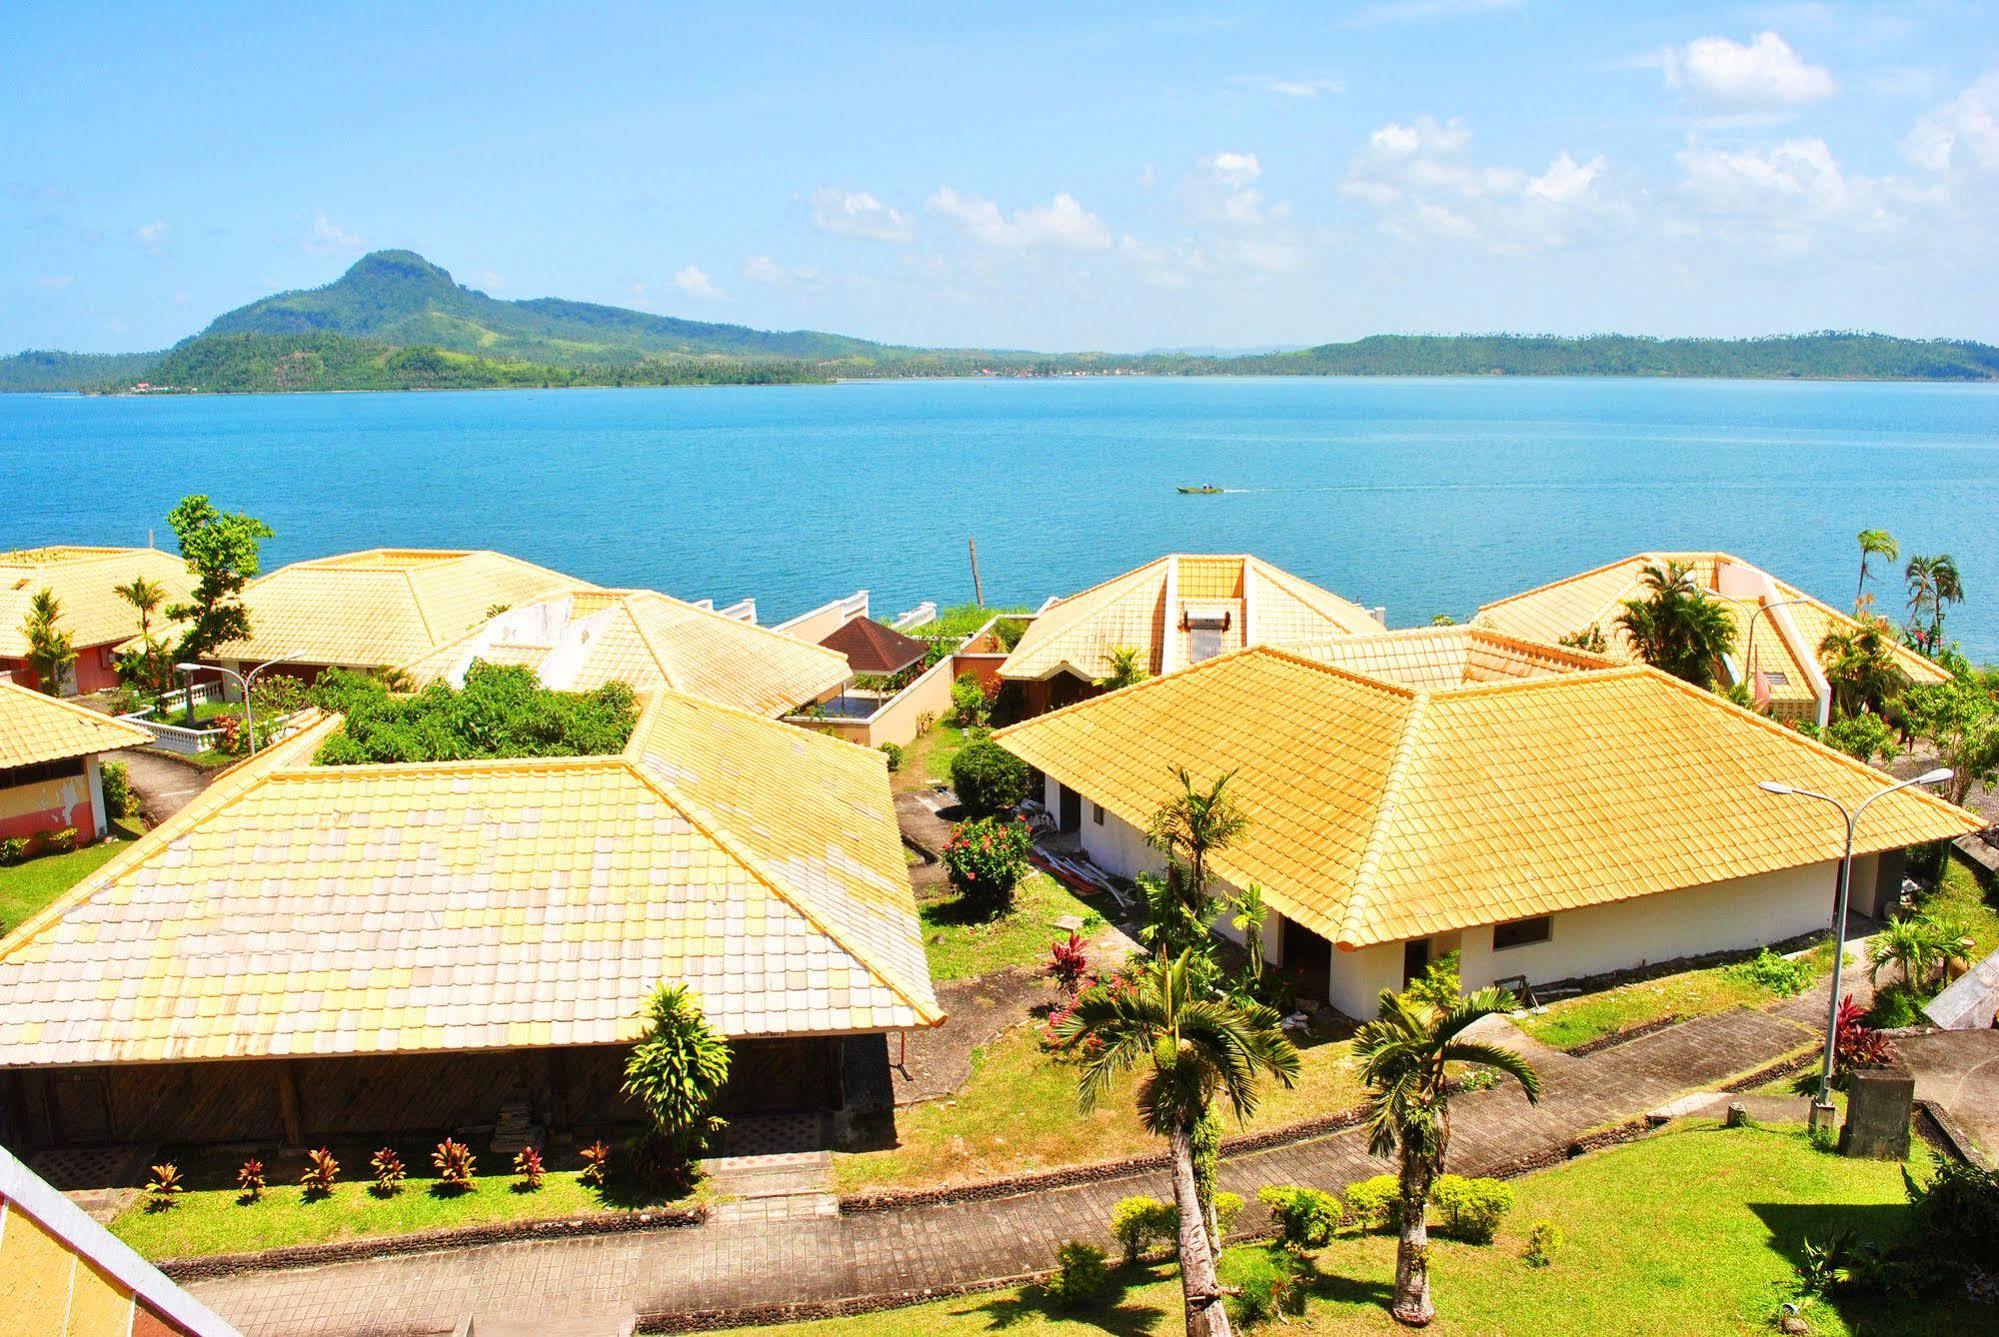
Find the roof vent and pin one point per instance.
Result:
(1207, 617)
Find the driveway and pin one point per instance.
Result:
(164, 786)
(1959, 1070)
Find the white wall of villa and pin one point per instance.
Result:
(1725, 916)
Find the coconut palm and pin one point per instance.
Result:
(1934, 582)
(1189, 828)
(1873, 543)
(1908, 945)
(1860, 666)
(51, 650)
(1201, 1050)
(1125, 668)
(1404, 1053)
(1677, 627)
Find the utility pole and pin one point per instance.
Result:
(978, 590)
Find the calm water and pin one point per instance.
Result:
(1424, 495)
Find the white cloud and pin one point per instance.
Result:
(152, 235)
(694, 283)
(1220, 188)
(1566, 181)
(762, 269)
(1422, 184)
(1148, 177)
(328, 238)
(1063, 223)
(1963, 134)
(855, 213)
(1761, 75)
(1799, 177)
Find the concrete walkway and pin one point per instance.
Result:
(738, 1264)
(1959, 1070)
(164, 787)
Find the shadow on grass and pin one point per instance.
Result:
(1791, 1225)
(961, 912)
(1108, 1313)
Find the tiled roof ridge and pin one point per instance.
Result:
(84, 713)
(1384, 813)
(1292, 581)
(1070, 599)
(650, 704)
(416, 602)
(705, 822)
(1385, 684)
(667, 671)
(452, 766)
(1569, 681)
(81, 552)
(1566, 580)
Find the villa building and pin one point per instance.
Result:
(870, 647)
(1546, 819)
(381, 608)
(577, 640)
(85, 583)
(1175, 611)
(1778, 626)
(49, 776)
(309, 952)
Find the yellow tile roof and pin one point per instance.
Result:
(317, 910)
(582, 639)
(1378, 812)
(382, 607)
(1596, 598)
(36, 728)
(83, 579)
(1147, 607)
(1441, 657)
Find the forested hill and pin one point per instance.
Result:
(1827, 356)
(44, 370)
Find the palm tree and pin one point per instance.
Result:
(146, 596)
(1677, 627)
(1125, 668)
(1860, 666)
(1873, 543)
(1909, 945)
(1404, 1053)
(1188, 829)
(1200, 1049)
(1933, 583)
(51, 650)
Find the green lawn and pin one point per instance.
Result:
(212, 1218)
(1017, 1113)
(27, 887)
(927, 759)
(1962, 895)
(960, 620)
(961, 946)
(1572, 1022)
(1691, 1231)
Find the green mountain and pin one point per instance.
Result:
(401, 298)
(44, 370)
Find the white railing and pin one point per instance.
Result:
(188, 742)
(917, 616)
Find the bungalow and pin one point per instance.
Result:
(1778, 626)
(1562, 823)
(310, 952)
(579, 639)
(380, 608)
(49, 776)
(1175, 611)
(85, 582)
(870, 647)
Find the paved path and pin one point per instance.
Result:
(1959, 1070)
(164, 787)
(727, 1265)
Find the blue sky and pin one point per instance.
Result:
(1047, 176)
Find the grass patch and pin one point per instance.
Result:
(960, 620)
(1688, 1232)
(927, 760)
(1573, 1022)
(211, 1217)
(26, 887)
(1017, 1113)
(1961, 894)
(961, 946)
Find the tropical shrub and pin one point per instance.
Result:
(62, 841)
(250, 1179)
(1139, 1222)
(527, 1165)
(893, 752)
(1438, 985)
(675, 1073)
(1268, 1284)
(970, 707)
(1956, 1213)
(119, 800)
(1864, 737)
(455, 1165)
(596, 1164)
(986, 859)
(13, 849)
(389, 1173)
(987, 778)
(501, 711)
(1472, 1208)
(1855, 1043)
(1544, 1241)
(1068, 964)
(321, 1170)
(1228, 1206)
(1779, 974)
(1305, 1217)
(1372, 1204)
(1080, 1275)
(165, 1185)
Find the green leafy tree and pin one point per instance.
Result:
(676, 1072)
(1404, 1054)
(1188, 829)
(501, 711)
(1865, 737)
(1590, 640)
(1201, 1050)
(987, 778)
(51, 650)
(1873, 543)
(222, 552)
(1676, 627)
(1934, 584)
(1959, 719)
(1861, 668)
(1126, 668)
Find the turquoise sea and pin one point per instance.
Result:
(1427, 496)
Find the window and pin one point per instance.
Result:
(1097, 813)
(41, 771)
(1522, 932)
(1777, 679)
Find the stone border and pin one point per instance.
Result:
(1625, 1036)
(1935, 1126)
(1770, 1072)
(210, 1266)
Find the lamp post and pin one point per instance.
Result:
(1822, 1104)
(244, 680)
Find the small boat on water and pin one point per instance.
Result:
(1203, 490)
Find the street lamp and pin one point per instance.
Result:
(1822, 1105)
(244, 680)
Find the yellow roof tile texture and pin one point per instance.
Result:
(84, 580)
(36, 728)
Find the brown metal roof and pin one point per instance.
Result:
(872, 648)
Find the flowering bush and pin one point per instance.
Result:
(1069, 965)
(63, 841)
(389, 1172)
(985, 858)
(250, 1178)
(454, 1165)
(596, 1163)
(320, 1172)
(527, 1164)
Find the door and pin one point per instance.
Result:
(1071, 816)
(81, 1109)
(1415, 959)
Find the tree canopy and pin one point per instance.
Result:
(222, 550)
(502, 711)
